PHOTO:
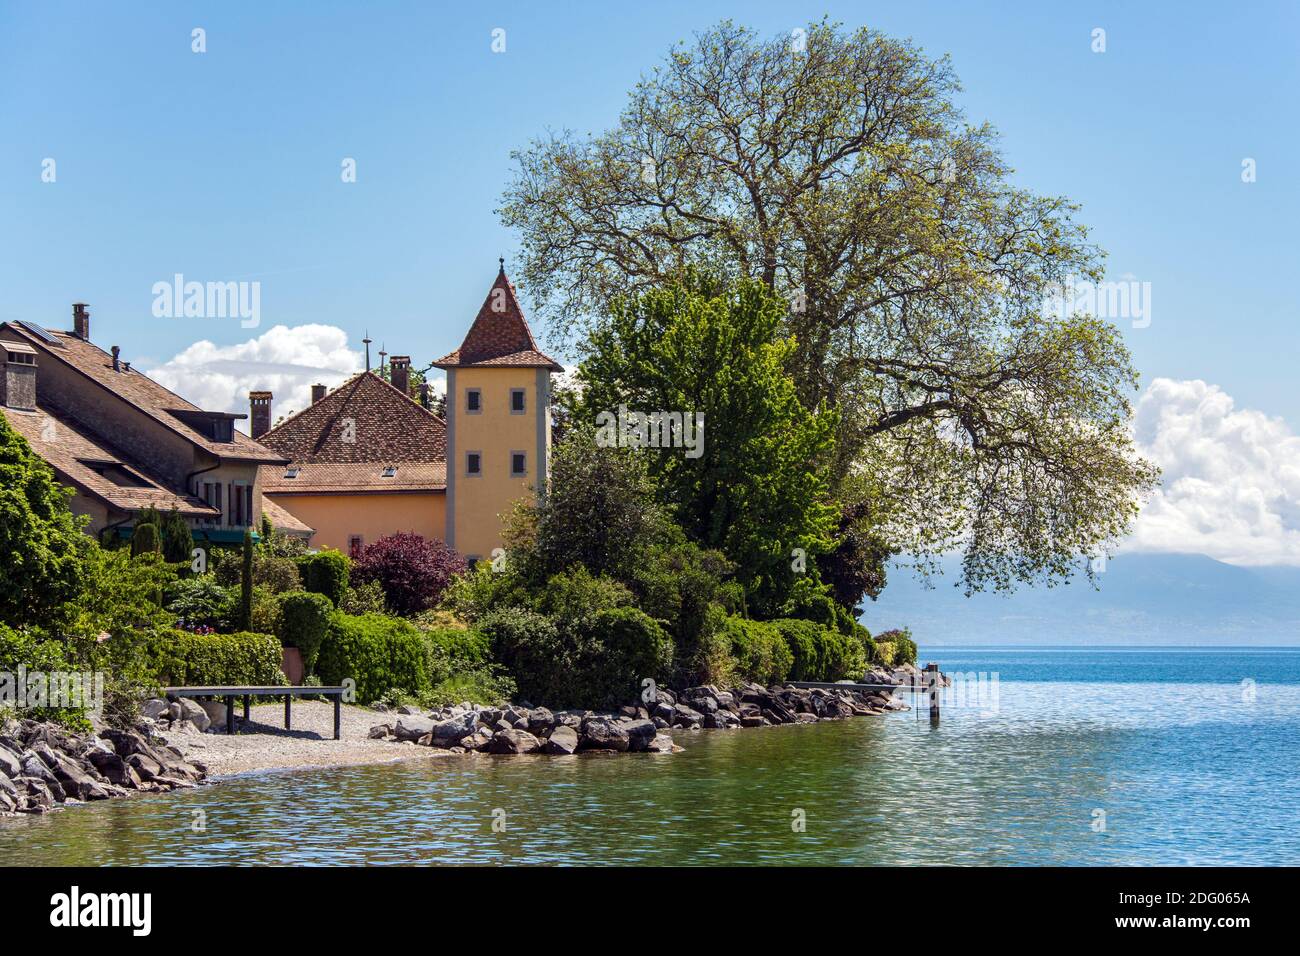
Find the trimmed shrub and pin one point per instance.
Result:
(304, 620)
(380, 653)
(759, 650)
(413, 571)
(325, 572)
(145, 540)
(197, 602)
(529, 646)
(241, 658)
(821, 654)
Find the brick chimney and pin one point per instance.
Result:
(80, 321)
(259, 404)
(399, 373)
(317, 393)
(18, 376)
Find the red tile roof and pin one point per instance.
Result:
(361, 476)
(363, 420)
(500, 335)
(142, 392)
(78, 457)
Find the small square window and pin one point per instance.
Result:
(291, 473)
(390, 471)
(473, 401)
(518, 464)
(516, 401)
(473, 463)
(355, 543)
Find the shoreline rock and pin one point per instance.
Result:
(43, 766)
(519, 728)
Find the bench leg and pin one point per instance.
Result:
(288, 712)
(230, 713)
(337, 708)
(246, 702)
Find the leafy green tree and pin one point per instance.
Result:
(145, 539)
(245, 621)
(840, 174)
(755, 487)
(42, 548)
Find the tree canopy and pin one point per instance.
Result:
(837, 170)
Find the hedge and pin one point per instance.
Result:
(821, 654)
(304, 620)
(759, 650)
(380, 653)
(326, 573)
(216, 659)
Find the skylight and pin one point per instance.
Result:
(390, 471)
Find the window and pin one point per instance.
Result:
(518, 464)
(291, 472)
(516, 401)
(390, 471)
(473, 401)
(473, 464)
(355, 543)
(241, 505)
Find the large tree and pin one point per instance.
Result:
(754, 484)
(836, 169)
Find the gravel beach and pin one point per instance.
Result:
(264, 744)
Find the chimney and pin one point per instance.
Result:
(259, 404)
(18, 376)
(80, 321)
(317, 393)
(424, 394)
(117, 362)
(399, 373)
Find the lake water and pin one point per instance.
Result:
(1075, 756)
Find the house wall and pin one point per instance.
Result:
(337, 517)
(476, 504)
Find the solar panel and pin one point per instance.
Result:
(39, 332)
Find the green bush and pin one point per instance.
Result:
(145, 540)
(529, 646)
(198, 601)
(821, 654)
(325, 572)
(760, 651)
(216, 659)
(627, 647)
(894, 647)
(304, 621)
(380, 653)
(365, 598)
(20, 649)
(277, 574)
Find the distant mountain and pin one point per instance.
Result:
(1142, 599)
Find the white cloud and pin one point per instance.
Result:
(1231, 477)
(286, 361)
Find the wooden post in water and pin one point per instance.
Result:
(932, 681)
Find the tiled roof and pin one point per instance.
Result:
(363, 420)
(77, 458)
(281, 520)
(361, 476)
(143, 393)
(500, 335)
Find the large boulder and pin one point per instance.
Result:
(513, 742)
(412, 727)
(604, 733)
(662, 744)
(684, 716)
(193, 711)
(563, 741)
(10, 764)
(154, 707)
(450, 732)
(114, 768)
(478, 739)
(639, 733)
(540, 721)
(35, 768)
(216, 713)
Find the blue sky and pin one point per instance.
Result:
(226, 165)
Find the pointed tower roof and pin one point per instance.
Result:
(500, 335)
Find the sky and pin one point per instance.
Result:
(227, 165)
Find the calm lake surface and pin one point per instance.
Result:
(1186, 756)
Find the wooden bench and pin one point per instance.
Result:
(228, 694)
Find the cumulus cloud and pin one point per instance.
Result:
(1231, 477)
(286, 361)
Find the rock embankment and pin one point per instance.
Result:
(43, 766)
(524, 729)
